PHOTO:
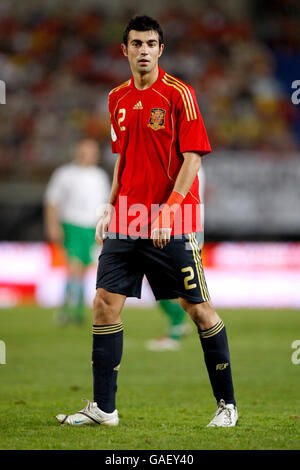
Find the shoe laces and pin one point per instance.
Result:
(89, 405)
(222, 408)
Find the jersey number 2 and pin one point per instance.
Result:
(122, 113)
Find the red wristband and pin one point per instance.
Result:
(166, 216)
(175, 198)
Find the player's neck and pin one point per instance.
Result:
(142, 81)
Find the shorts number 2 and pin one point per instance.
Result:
(189, 277)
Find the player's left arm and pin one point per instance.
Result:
(193, 143)
(188, 172)
(185, 178)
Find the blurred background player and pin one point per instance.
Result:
(176, 317)
(73, 199)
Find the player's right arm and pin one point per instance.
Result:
(53, 228)
(103, 223)
(53, 198)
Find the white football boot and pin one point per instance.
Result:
(164, 343)
(90, 415)
(226, 416)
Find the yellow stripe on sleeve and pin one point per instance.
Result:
(187, 94)
(165, 80)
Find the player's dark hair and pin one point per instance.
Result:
(143, 23)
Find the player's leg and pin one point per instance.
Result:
(176, 315)
(73, 306)
(73, 303)
(83, 256)
(107, 347)
(177, 327)
(118, 276)
(75, 289)
(213, 337)
(106, 358)
(180, 267)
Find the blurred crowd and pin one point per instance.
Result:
(59, 67)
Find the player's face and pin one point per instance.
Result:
(88, 153)
(143, 50)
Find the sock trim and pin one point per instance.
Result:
(214, 330)
(107, 329)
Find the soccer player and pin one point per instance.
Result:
(160, 138)
(73, 196)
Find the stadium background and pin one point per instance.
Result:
(240, 56)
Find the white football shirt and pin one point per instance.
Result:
(79, 193)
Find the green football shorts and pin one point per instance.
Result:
(79, 242)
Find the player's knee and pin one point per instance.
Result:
(202, 314)
(103, 310)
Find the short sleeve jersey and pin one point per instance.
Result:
(79, 193)
(151, 129)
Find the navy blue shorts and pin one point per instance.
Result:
(172, 272)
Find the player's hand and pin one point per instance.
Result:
(102, 227)
(161, 237)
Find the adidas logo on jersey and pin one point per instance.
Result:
(138, 105)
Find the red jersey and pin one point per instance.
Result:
(151, 129)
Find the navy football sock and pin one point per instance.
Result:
(106, 358)
(217, 359)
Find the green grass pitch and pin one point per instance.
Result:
(164, 399)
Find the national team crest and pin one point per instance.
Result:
(157, 119)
